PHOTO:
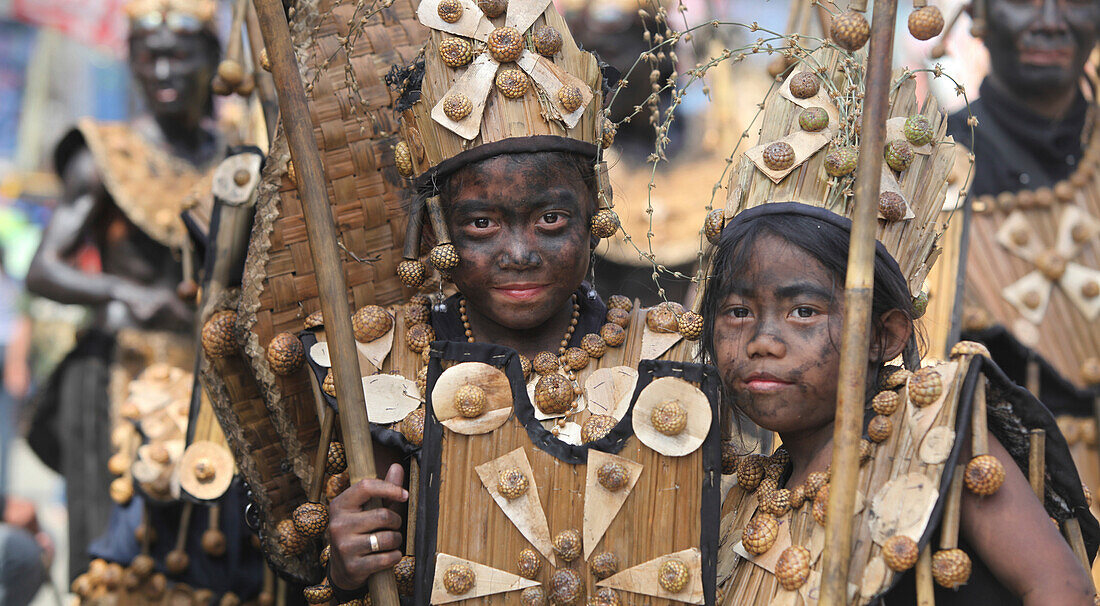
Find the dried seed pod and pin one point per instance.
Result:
(603, 564)
(512, 483)
(900, 552)
(416, 314)
(813, 119)
(177, 561)
(815, 481)
(613, 334)
(567, 544)
(767, 486)
(553, 394)
(750, 472)
(458, 579)
(613, 476)
(880, 428)
(672, 575)
(605, 596)
(776, 502)
(471, 401)
(669, 418)
(512, 83)
(619, 317)
(412, 273)
(528, 563)
(886, 402)
(729, 457)
(570, 98)
(412, 427)
(526, 367)
(605, 223)
(337, 458)
(548, 41)
(1087, 493)
(798, 496)
(866, 449)
(984, 475)
(337, 484)
(969, 348)
(326, 553)
(850, 31)
(918, 130)
(660, 319)
(318, 594)
(620, 302)
(402, 158)
(594, 345)
(310, 519)
(926, 22)
(893, 377)
(805, 85)
(760, 533)
(690, 325)
(575, 358)
(773, 470)
(533, 596)
(779, 155)
(607, 137)
(285, 354)
(841, 162)
(456, 107)
(714, 224)
(219, 334)
(450, 10)
(566, 587)
(821, 505)
(925, 387)
(143, 565)
(891, 206)
(313, 320)
(596, 427)
(213, 542)
(493, 8)
(899, 154)
(546, 363)
(419, 336)
(405, 574)
(455, 52)
(950, 568)
(505, 44)
(781, 456)
(793, 567)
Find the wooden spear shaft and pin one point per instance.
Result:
(859, 285)
(331, 287)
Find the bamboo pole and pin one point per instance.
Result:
(1071, 528)
(952, 512)
(265, 87)
(859, 285)
(926, 589)
(331, 286)
(1036, 462)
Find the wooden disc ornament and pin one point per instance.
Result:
(490, 380)
(655, 398)
(206, 470)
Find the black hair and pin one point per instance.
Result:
(824, 241)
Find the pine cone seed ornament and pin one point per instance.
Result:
(570, 98)
(793, 567)
(596, 427)
(326, 553)
(714, 224)
(471, 401)
(925, 387)
(605, 596)
(450, 10)
(820, 508)
(318, 594)
(767, 486)
(815, 481)
(662, 318)
(567, 544)
(841, 162)
(773, 471)
(505, 44)
(418, 337)
(370, 322)
(512, 83)
(669, 418)
(969, 348)
(337, 484)
(546, 363)
(900, 552)
(850, 31)
(310, 519)
(950, 568)
(805, 85)
(730, 458)
(893, 377)
(899, 155)
(402, 158)
(866, 449)
(313, 320)
(613, 476)
(566, 587)
(219, 334)
(412, 427)
(918, 130)
(458, 579)
(455, 52)
(177, 561)
(416, 314)
(608, 135)
(691, 325)
(672, 575)
(548, 41)
(337, 460)
(620, 302)
(285, 354)
(603, 564)
(779, 155)
(879, 428)
(886, 403)
(777, 502)
(444, 257)
(493, 8)
(576, 358)
(528, 563)
(781, 456)
(621, 317)
(526, 367)
(511, 483)
(926, 22)
(533, 596)
(750, 472)
(813, 119)
(760, 533)
(891, 206)
(456, 107)
(605, 223)
(143, 565)
(412, 273)
(405, 573)
(553, 394)
(613, 334)
(798, 497)
(594, 345)
(984, 475)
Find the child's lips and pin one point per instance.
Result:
(764, 383)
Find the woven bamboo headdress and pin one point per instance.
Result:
(499, 77)
(177, 14)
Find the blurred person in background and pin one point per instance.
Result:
(15, 339)
(25, 552)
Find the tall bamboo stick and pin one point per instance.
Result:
(859, 285)
(331, 286)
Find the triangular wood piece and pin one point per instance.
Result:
(643, 578)
(600, 504)
(487, 580)
(525, 511)
(655, 344)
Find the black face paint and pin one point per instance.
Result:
(175, 71)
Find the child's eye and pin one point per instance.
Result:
(481, 223)
(739, 312)
(551, 218)
(804, 312)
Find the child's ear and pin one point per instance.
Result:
(895, 329)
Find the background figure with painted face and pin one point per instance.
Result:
(126, 186)
(1031, 253)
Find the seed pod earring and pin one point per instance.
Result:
(444, 255)
(411, 270)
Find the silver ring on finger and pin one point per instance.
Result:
(374, 546)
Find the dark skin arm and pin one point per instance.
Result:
(1012, 533)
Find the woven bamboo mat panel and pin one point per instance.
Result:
(345, 52)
